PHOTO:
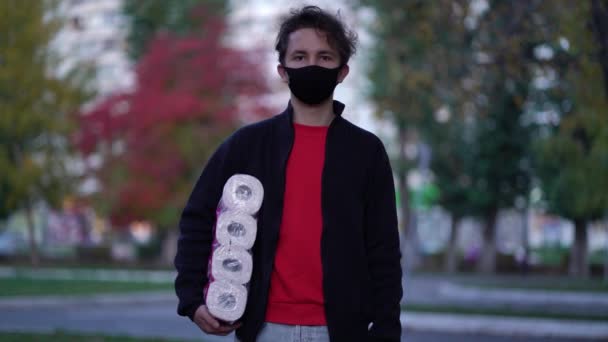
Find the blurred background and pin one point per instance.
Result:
(494, 113)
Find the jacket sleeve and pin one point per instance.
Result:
(383, 252)
(196, 234)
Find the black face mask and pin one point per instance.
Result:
(312, 84)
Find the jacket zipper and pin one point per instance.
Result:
(323, 200)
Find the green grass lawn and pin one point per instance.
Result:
(69, 337)
(525, 282)
(37, 287)
(573, 286)
(509, 312)
(533, 282)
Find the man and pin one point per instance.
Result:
(326, 262)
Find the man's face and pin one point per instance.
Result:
(308, 46)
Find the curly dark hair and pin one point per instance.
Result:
(338, 35)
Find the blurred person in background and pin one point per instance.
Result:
(326, 261)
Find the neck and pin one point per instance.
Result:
(317, 115)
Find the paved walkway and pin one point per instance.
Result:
(533, 297)
(433, 290)
(101, 306)
(506, 326)
(429, 290)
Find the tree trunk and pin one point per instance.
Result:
(606, 262)
(525, 242)
(34, 258)
(579, 266)
(487, 262)
(404, 208)
(169, 247)
(404, 191)
(450, 261)
(409, 241)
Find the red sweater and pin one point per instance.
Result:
(296, 293)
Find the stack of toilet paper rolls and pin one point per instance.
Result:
(230, 264)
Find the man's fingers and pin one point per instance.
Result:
(206, 327)
(212, 321)
(221, 330)
(212, 325)
(228, 328)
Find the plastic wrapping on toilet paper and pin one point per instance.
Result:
(226, 300)
(236, 229)
(231, 263)
(242, 193)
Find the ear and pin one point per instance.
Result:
(343, 72)
(282, 73)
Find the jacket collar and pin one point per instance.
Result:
(338, 109)
(285, 131)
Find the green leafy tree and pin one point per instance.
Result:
(450, 132)
(178, 17)
(36, 108)
(505, 40)
(409, 81)
(451, 166)
(573, 158)
(428, 82)
(478, 65)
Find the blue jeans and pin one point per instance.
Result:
(273, 332)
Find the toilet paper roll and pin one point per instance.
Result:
(243, 193)
(226, 301)
(231, 263)
(236, 228)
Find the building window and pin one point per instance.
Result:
(76, 23)
(77, 2)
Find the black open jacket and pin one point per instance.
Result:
(359, 245)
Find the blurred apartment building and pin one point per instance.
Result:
(94, 35)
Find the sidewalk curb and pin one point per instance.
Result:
(117, 275)
(79, 300)
(504, 326)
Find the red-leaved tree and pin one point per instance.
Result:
(190, 92)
